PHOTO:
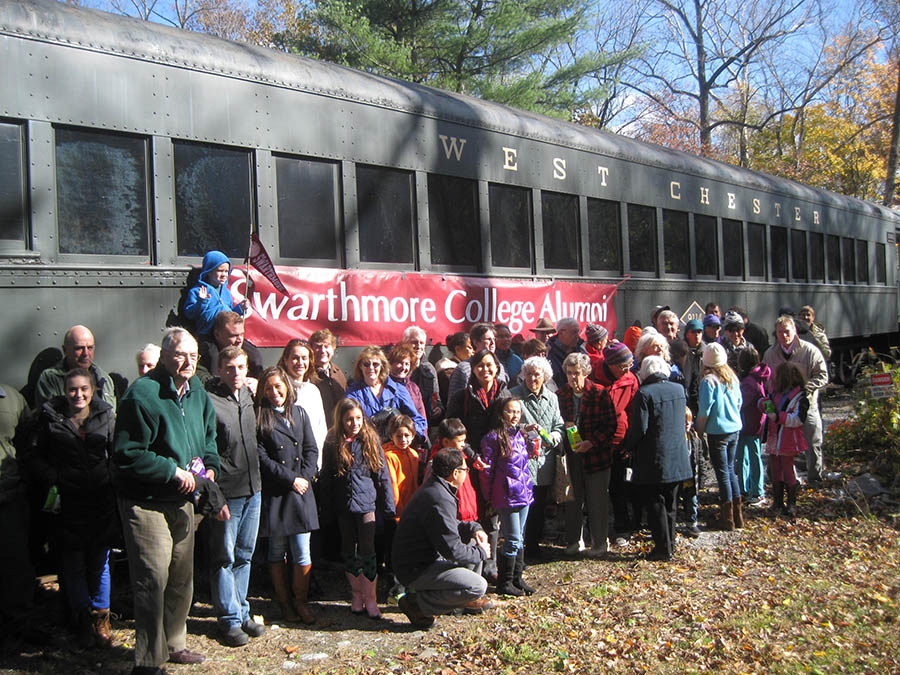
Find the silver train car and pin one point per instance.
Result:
(128, 148)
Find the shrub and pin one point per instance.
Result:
(872, 433)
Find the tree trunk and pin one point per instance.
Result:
(891, 176)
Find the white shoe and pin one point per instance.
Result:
(574, 549)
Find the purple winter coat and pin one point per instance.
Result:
(754, 388)
(506, 483)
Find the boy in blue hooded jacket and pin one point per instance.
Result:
(211, 295)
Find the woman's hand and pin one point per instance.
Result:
(300, 486)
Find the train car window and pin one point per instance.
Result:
(833, 259)
(511, 224)
(862, 261)
(561, 226)
(309, 208)
(733, 247)
(779, 244)
(642, 238)
(848, 260)
(605, 235)
(676, 246)
(102, 195)
(707, 246)
(214, 206)
(454, 222)
(386, 200)
(12, 186)
(816, 256)
(798, 255)
(880, 263)
(756, 250)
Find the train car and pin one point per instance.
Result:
(128, 149)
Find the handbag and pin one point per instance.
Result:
(562, 485)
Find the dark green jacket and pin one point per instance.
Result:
(156, 432)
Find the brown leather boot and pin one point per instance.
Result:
(100, 627)
(737, 512)
(278, 574)
(301, 594)
(726, 516)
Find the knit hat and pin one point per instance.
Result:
(616, 353)
(693, 324)
(733, 319)
(714, 355)
(711, 320)
(595, 333)
(631, 337)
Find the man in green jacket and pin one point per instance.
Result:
(165, 427)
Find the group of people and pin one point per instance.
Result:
(455, 459)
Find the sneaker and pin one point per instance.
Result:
(233, 637)
(757, 503)
(574, 549)
(621, 540)
(478, 606)
(187, 657)
(253, 629)
(692, 531)
(596, 553)
(416, 616)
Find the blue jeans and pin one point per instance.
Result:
(722, 451)
(231, 550)
(86, 575)
(512, 528)
(295, 545)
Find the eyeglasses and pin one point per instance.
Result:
(371, 364)
(462, 468)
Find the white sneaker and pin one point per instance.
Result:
(574, 549)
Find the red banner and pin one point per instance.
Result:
(366, 307)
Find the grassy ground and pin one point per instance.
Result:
(818, 594)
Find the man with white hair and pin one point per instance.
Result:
(667, 325)
(165, 443)
(566, 341)
(424, 374)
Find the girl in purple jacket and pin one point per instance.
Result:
(748, 463)
(786, 412)
(507, 487)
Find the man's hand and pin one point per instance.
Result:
(481, 539)
(252, 384)
(185, 480)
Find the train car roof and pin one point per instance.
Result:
(51, 21)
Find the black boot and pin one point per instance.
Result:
(791, 509)
(778, 497)
(517, 575)
(506, 570)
